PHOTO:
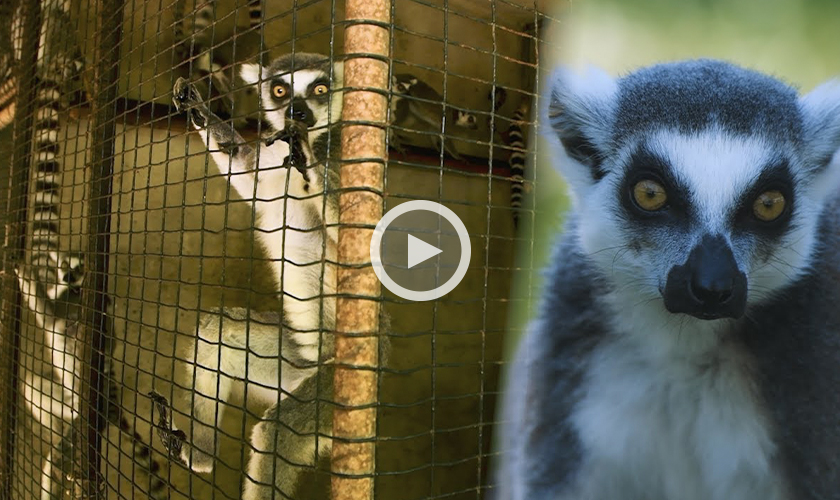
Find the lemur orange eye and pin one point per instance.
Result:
(321, 89)
(279, 91)
(649, 195)
(769, 205)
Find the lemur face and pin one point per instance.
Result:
(707, 216)
(300, 87)
(402, 83)
(698, 185)
(465, 120)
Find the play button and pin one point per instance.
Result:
(420, 250)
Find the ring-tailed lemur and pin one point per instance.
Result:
(302, 89)
(416, 106)
(515, 140)
(295, 217)
(50, 279)
(8, 90)
(687, 341)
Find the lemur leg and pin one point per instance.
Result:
(395, 141)
(64, 472)
(207, 410)
(58, 478)
(448, 147)
(47, 400)
(290, 438)
(69, 277)
(45, 397)
(228, 149)
(233, 345)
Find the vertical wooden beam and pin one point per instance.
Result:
(15, 237)
(95, 293)
(366, 48)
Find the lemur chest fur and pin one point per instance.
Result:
(697, 416)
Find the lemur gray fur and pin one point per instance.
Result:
(687, 342)
(295, 222)
(415, 105)
(50, 278)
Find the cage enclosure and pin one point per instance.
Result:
(189, 308)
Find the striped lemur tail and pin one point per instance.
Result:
(50, 279)
(201, 48)
(515, 140)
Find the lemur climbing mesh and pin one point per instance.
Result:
(186, 309)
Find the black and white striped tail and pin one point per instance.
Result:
(255, 15)
(8, 90)
(515, 140)
(195, 46)
(53, 271)
(60, 479)
(44, 243)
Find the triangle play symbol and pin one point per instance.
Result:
(420, 251)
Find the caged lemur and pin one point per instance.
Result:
(50, 278)
(686, 346)
(415, 105)
(304, 87)
(296, 217)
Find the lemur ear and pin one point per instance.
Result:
(821, 123)
(580, 112)
(250, 73)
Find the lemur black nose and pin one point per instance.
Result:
(711, 288)
(298, 110)
(709, 285)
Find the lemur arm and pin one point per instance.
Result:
(229, 150)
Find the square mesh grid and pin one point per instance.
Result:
(152, 269)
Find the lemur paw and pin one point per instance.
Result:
(172, 440)
(296, 135)
(187, 99)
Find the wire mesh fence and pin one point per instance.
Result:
(189, 309)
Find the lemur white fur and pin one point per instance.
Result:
(236, 346)
(687, 351)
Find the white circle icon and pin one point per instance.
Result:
(420, 251)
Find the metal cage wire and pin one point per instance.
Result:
(404, 407)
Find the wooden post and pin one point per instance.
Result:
(366, 70)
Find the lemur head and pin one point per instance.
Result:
(698, 185)
(52, 285)
(298, 86)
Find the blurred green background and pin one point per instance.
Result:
(795, 40)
